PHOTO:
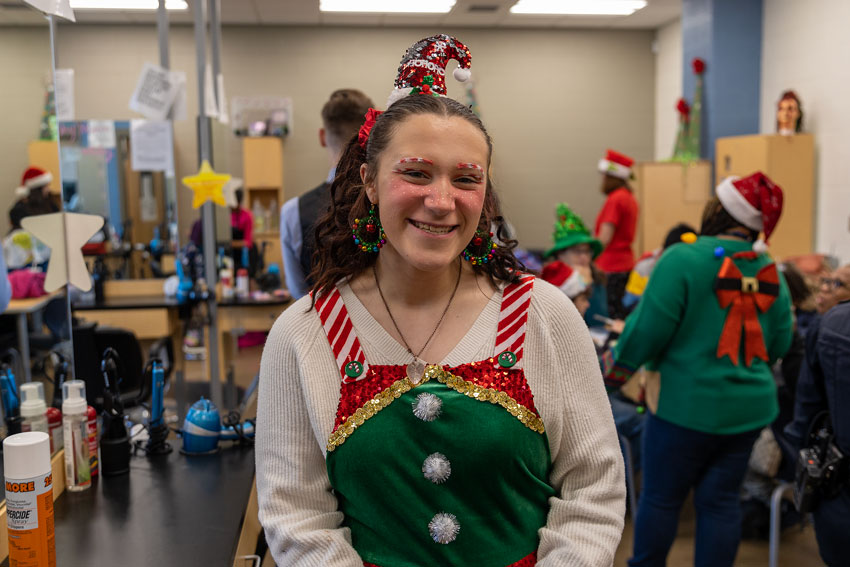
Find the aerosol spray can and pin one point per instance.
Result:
(29, 499)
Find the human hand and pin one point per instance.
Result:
(616, 326)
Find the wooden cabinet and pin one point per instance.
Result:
(262, 161)
(45, 154)
(790, 162)
(668, 193)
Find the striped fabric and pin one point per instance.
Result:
(340, 332)
(510, 334)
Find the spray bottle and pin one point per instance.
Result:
(33, 407)
(29, 499)
(76, 436)
(9, 398)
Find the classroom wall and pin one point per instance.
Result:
(668, 87)
(25, 65)
(806, 49)
(553, 100)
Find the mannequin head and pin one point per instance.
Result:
(789, 113)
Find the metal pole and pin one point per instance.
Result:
(51, 24)
(162, 35)
(207, 211)
(215, 44)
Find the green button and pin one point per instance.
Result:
(507, 359)
(353, 369)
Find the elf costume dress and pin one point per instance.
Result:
(503, 454)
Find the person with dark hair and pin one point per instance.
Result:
(639, 275)
(430, 403)
(615, 228)
(342, 116)
(714, 317)
(241, 220)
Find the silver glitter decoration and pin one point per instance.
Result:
(444, 528)
(437, 468)
(427, 406)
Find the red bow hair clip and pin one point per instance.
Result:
(363, 135)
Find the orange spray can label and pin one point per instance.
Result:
(29, 517)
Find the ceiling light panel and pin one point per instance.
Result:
(117, 5)
(388, 6)
(578, 7)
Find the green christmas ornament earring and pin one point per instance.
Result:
(367, 232)
(480, 249)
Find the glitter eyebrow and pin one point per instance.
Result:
(416, 160)
(474, 166)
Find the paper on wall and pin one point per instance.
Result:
(150, 146)
(222, 101)
(155, 92)
(63, 93)
(210, 103)
(178, 109)
(101, 134)
(61, 8)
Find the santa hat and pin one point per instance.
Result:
(423, 67)
(754, 201)
(616, 164)
(564, 278)
(35, 177)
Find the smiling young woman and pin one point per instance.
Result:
(431, 404)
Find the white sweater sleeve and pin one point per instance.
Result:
(297, 508)
(585, 520)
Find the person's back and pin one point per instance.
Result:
(824, 384)
(342, 116)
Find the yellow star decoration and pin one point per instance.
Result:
(207, 185)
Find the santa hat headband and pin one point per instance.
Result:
(616, 164)
(564, 278)
(754, 201)
(35, 177)
(423, 67)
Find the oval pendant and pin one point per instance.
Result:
(415, 371)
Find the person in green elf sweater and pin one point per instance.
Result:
(713, 318)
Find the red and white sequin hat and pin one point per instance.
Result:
(754, 201)
(616, 164)
(423, 67)
(35, 177)
(564, 278)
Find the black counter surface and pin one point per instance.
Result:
(169, 510)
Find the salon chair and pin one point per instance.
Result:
(90, 340)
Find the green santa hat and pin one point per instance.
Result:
(570, 231)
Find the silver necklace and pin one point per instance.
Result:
(416, 368)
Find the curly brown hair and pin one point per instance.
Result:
(337, 256)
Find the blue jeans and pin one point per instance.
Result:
(676, 459)
(832, 528)
(629, 422)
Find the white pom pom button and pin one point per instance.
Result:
(444, 528)
(427, 406)
(437, 468)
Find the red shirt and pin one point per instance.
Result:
(621, 210)
(244, 221)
